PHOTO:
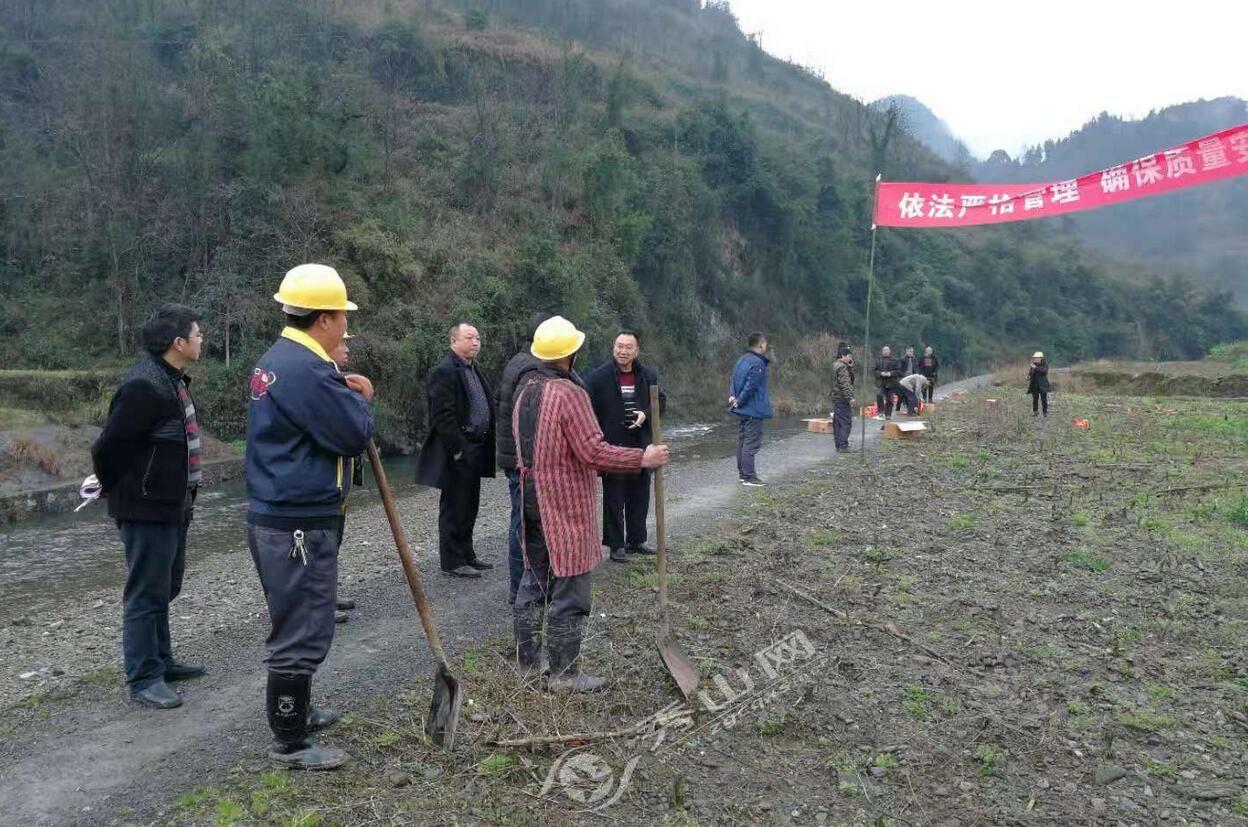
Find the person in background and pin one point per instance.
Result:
(928, 366)
(912, 389)
(342, 357)
(750, 400)
(459, 449)
(506, 453)
(1038, 383)
(907, 364)
(619, 391)
(886, 382)
(147, 460)
(843, 397)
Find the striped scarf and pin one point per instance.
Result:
(194, 447)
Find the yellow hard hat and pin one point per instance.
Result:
(313, 287)
(1037, 355)
(556, 338)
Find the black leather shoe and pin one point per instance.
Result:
(183, 671)
(480, 565)
(639, 550)
(345, 605)
(462, 571)
(158, 696)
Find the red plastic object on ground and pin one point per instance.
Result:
(1083, 424)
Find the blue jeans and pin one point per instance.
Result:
(155, 563)
(515, 554)
(749, 440)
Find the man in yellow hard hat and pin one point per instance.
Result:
(559, 452)
(304, 421)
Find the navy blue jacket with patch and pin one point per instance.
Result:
(303, 425)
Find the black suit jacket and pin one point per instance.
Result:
(603, 388)
(448, 417)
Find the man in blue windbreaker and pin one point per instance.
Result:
(750, 400)
(304, 423)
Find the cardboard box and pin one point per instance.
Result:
(929, 408)
(904, 430)
(819, 426)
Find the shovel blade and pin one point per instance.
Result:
(681, 668)
(443, 720)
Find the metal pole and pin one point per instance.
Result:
(866, 344)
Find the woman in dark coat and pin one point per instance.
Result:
(1038, 383)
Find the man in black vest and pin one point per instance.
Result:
(147, 460)
(619, 391)
(459, 449)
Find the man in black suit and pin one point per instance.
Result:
(459, 449)
(619, 391)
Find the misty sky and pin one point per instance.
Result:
(1009, 74)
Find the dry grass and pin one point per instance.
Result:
(28, 452)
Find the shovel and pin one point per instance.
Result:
(677, 662)
(443, 720)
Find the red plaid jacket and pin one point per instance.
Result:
(567, 454)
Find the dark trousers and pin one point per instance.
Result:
(155, 564)
(884, 400)
(457, 509)
(842, 423)
(625, 506)
(567, 598)
(1038, 399)
(930, 389)
(911, 401)
(515, 552)
(300, 582)
(749, 440)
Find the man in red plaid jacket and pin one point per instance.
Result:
(559, 450)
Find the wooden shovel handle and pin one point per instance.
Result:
(660, 522)
(409, 565)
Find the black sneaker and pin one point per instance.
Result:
(643, 550)
(618, 555)
(341, 617)
(462, 571)
(753, 482)
(480, 565)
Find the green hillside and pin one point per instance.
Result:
(618, 161)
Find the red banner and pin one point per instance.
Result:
(1220, 155)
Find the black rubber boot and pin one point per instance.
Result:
(563, 645)
(527, 621)
(287, 700)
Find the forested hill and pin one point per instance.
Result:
(618, 161)
(1200, 231)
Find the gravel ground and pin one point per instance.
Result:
(72, 749)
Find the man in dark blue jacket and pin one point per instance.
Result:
(619, 392)
(750, 399)
(304, 423)
(147, 460)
